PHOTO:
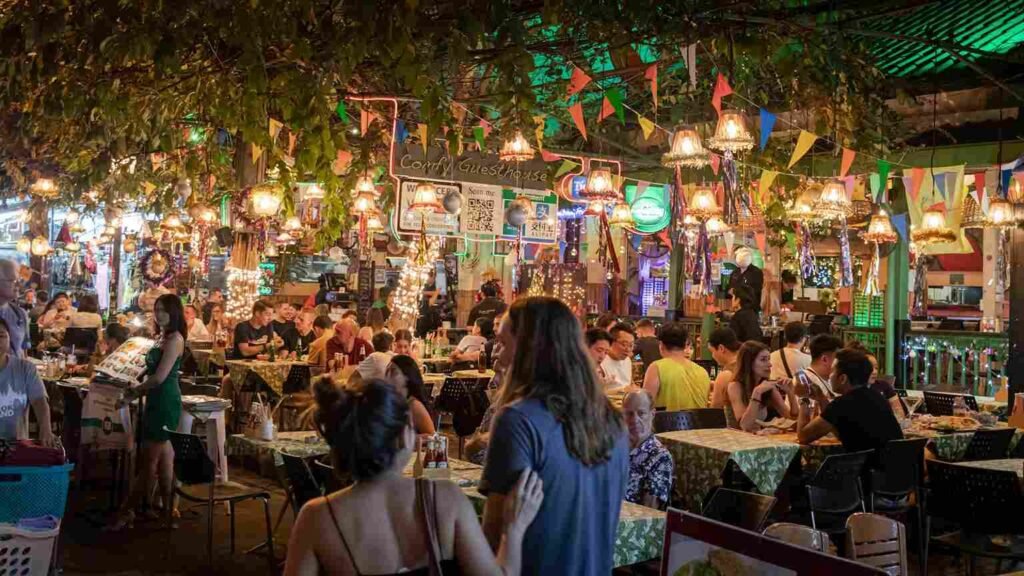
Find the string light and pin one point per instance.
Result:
(415, 274)
(243, 291)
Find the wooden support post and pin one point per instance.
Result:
(1015, 330)
(896, 294)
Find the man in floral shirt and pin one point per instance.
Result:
(650, 464)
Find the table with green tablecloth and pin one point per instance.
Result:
(813, 454)
(273, 373)
(950, 446)
(701, 456)
(1005, 464)
(641, 529)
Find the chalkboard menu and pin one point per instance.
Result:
(364, 289)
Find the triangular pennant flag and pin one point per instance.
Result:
(364, 121)
(486, 126)
(651, 74)
(899, 222)
(401, 132)
(538, 131)
(663, 236)
(767, 123)
(951, 191)
(576, 112)
(342, 111)
(577, 82)
(255, 151)
(851, 188)
(979, 186)
(883, 176)
(803, 144)
(916, 178)
(716, 161)
(459, 113)
(761, 240)
(722, 89)
(566, 166)
(1004, 181)
(478, 135)
(549, 156)
(274, 129)
(939, 181)
(847, 162)
(907, 185)
(764, 187)
(293, 138)
(421, 131)
(341, 162)
(873, 182)
(646, 126)
(937, 207)
(607, 109)
(641, 187)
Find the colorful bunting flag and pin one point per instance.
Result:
(899, 222)
(762, 242)
(401, 132)
(916, 178)
(613, 103)
(851, 188)
(421, 131)
(1004, 181)
(486, 126)
(979, 186)
(939, 182)
(767, 123)
(566, 166)
(478, 135)
(716, 161)
(274, 129)
(576, 112)
(883, 176)
(803, 144)
(255, 151)
(549, 156)
(764, 187)
(342, 111)
(722, 89)
(847, 162)
(646, 126)
(874, 182)
(293, 138)
(577, 82)
(606, 109)
(366, 117)
(651, 74)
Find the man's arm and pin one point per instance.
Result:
(808, 430)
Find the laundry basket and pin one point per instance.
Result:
(25, 552)
(29, 492)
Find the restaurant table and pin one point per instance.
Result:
(210, 410)
(639, 538)
(273, 373)
(434, 382)
(437, 363)
(700, 457)
(985, 403)
(485, 375)
(813, 454)
(205, 357)
(949, 446)
(1007, 464)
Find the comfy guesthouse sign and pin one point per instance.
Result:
(410, 162)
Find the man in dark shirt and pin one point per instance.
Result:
(253, 336)
(859, 417)
(744, 321)
(489, 307)
(647, 344)
(215, 297)
(748, 276)
(299, 338)
(788, 287)
(284, 321)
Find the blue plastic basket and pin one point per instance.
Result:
(30, 492)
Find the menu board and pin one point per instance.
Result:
(127, 363)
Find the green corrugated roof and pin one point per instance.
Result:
(991, 26)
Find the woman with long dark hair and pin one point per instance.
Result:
(404, 374)
(163, 409)
(752, 396)
(553, 417)
(387, 523)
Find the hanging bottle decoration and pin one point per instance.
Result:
(806, 252)
(845, 259)
(729, 175)
(921, 286)
(702, 263)
(871, 285)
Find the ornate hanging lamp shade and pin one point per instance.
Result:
(425, 199)
(933, 230)
(364, 185)
(716, 225)
(880, 230)
(265, 200)
(621, 215)
(374, 223)
(1001, 214)
(364, 203)
(292, 225)
(803, 208)
(171, 222)
(45, 188)
(40, 246)
(687, 150)
(731, 133)
(600, 190)
(24, 245)
(832, 203)
(516, 149)
(703, 204)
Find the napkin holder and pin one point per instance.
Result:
(432, 458)
(1016, 419)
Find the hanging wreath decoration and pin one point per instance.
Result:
(157, 266)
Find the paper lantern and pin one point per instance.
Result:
(703, 204)
(687, 150)
(24, 245)
(880, 230)
(265, 200)
(364, 185)
(45, 188)
(425, 200)
(1000, 214)
(621, 215)
(363, 203)
(833, 203)
(732, 134)
(933, 230)
(516, 150)
(40, 246)
(599, 183)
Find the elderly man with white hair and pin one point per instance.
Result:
(650, 464)
(10, 312)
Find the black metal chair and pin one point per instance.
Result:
(302, 485)
(704, 418)
(989, 444)
(984, 503)
(941, 403)
(1018, 450)
(83, 340)
(899, 477)
(835, 491)
(745, 510)
(673, 421)
(196, 482)
(466, 400)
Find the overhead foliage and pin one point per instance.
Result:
(88, 85)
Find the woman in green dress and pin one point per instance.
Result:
(163, 408)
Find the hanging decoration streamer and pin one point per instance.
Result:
(845, 260)
(871, 286)
(702, 265)
(921, 286)
(806, 252)
(730, 177)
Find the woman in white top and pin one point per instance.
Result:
(196, 329)
(795, 358)
(58, 313)
(87, 315)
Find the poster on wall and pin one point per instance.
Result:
(542, 222)
(483, 210)
(411, 221)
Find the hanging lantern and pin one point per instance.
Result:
(373, 222)
(425, 200)
(363, 203)
(44, 188)
(933, 230)
(265, 200)
(40, 246)
(803, 207)
(599, 183)
(292, 224)
(1000, 214)
(271, 250)
(24, 245)
(284, 238)
(880, 230)
(832, 203)
(364, 185)
(595, 208)
(732, 134)
(130, 244)
(172, 221)
(687, 150)
(716, 225)
(703, 204)
(72, 217)
(516, 150)
(313, 191)
(207, 215)
(621, 215)
(73, 247)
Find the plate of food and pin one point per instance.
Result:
(953, 424)
(784, 424)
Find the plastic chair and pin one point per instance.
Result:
(835, 491)
(983, 502)
(941, 403)
(800, 535)
(877, 541)
(196, 474)
(900, 475)
(989, 444)
(302, 485)
(745, 510)
(673, 421)
(298, 380)
(704, 418)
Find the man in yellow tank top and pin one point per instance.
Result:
(675, 382)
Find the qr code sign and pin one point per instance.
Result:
(478, 215)
(543, 223)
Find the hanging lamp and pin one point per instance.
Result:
(1001, 214)
(363, 203)
(265, 200)
(731, 133)
(933, 230)
(703, 204)
(40, 246)
(621, 215)
(373, 222)
(45, 188)
(517, 149)
(832, 202)
(880, 229)
(425, 199)
(715, 225)
(687, 150)
(364, 185)
(24, 245)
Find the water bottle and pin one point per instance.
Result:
(959, 406)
